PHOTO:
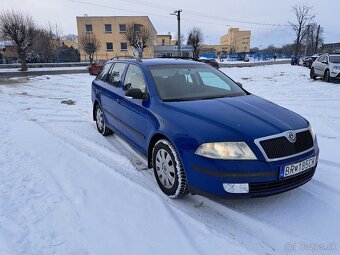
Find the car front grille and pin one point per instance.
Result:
(290, 182)
(281, 147)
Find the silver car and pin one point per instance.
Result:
(327, 66)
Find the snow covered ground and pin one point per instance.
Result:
(4, 70)
(251, 60)
(65, 189)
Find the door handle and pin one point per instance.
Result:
(119, 100)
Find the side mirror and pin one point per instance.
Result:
(239, 84)
(136, 94)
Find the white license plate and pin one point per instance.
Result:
(298, 167)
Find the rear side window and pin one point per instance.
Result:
(104, 72)
(134, 79)
(116, 74)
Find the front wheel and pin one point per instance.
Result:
(168, 170)
(100, 122)
(327, 76)
(312, 74)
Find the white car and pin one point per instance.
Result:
(327, 66)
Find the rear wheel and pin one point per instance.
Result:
(168, 170)
(327, 76)
(100, 122)
(312, 74)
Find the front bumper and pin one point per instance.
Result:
(206, 176)
(335, 74)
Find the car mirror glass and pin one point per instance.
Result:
(136, 93)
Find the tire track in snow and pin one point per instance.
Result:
(228, 218)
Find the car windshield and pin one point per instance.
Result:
(192, 82)
(334, 59)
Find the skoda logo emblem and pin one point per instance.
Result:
(291, 136)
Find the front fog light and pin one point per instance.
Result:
(236, 187)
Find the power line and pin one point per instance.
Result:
(200, 14)
(192, 13)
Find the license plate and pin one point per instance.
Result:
(298, 167)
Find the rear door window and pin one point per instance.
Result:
(134, 78)
(104, 72)
(116, 74)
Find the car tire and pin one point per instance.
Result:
(312, 74)
(327, 76)
(100, 121)
(168, 170)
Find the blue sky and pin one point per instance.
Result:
(267, 19)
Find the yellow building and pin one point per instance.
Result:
(164, 39)
(236, 41)
(110, 31)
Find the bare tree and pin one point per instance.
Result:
(304, 15)
(21, 28)
(46, 44)
(41, 49)
(139, 37)
(195, 38)
(55, 37)
(90, 44)
(70, 37)
(314, 37)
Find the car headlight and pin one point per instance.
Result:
(226, 150)
(312, 132)
(336, 67)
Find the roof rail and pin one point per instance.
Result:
(122, 57)
(185, 58)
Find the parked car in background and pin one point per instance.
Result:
(96, 66)
(200, 131)
(210, 61)
(302, 61)
(326, 66)
(294, 61)
(311, 60)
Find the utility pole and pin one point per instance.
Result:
(178, 14)
(317, 40)
(307, 40)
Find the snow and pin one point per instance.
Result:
(65, 189)
(251, 60)
(6, 70)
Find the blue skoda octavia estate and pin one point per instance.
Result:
(200, 131)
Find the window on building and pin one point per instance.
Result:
(122, 28)
(163, 41)
(123, 46)
(88, 28)
(137, 27)
(108, 28)
(109, 46)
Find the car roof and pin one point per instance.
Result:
(331, 54)
(159, 61)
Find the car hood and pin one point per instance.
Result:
(244, 116)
